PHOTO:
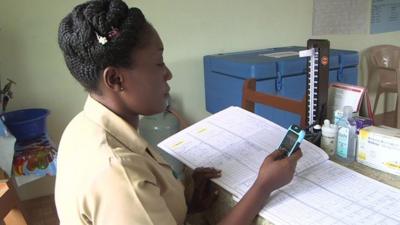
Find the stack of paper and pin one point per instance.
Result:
(322, 192)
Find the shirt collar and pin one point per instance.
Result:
(114, 125)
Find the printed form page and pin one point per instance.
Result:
(333, 194)
(237, 142)
(322, 192)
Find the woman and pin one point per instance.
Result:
(107, 174)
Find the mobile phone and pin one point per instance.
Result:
(292, 139)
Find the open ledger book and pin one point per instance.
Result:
(322, 192)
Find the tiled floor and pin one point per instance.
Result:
(41, 211)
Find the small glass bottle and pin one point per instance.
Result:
(317, 133)
(337, 114)
(346, 137)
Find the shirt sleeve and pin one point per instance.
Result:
(126, 193)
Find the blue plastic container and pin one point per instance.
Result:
(26, 124)
(277, 71)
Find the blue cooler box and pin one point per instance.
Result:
(277, 71)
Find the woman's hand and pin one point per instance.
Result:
(277, 170)
(204, 194)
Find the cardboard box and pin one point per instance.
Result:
(379, 147)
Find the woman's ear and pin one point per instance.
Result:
(113, 79)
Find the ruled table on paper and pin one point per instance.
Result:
(321, 192)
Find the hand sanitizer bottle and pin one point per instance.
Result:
(346, 137)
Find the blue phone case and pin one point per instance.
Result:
(292, 139)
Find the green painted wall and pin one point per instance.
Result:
(29, 52)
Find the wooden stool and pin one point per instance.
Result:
(10, 205)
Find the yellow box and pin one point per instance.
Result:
(379, 147)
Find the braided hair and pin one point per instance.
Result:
(98, 34)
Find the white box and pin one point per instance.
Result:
(379, 147)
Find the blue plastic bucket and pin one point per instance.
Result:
(26, 124)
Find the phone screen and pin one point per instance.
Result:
(289, 140)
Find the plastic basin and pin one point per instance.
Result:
(26, 124)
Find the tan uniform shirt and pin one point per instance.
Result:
(108, 175)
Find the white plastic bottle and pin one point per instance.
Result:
(346, 137)
(328, 139)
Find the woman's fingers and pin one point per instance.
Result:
(206, 173)
(296, 155)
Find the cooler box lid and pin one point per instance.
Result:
(268, 63)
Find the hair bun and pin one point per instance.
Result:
(104, 14)
(85, 53)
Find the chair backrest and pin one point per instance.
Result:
(383, 62)
(385, 56)
(250, 96)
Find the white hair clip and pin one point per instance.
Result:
(102, 40)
